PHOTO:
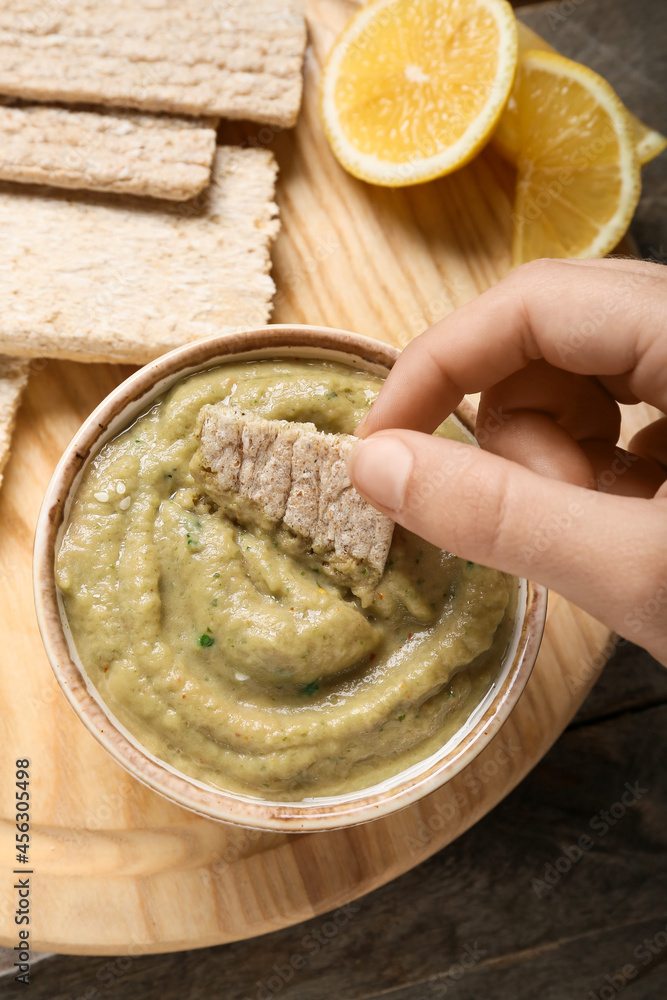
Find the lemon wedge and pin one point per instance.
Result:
(648, 142)
(578, 182)
(412, 89)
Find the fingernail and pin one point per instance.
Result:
(380, 467)
(359, 429)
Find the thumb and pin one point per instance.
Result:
(598, 550)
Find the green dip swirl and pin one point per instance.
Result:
(231, 660)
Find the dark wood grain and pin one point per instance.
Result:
(631, 681)
(477, 898)
(562, 942)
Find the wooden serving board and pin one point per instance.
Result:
(118, 869)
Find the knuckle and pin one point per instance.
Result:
(534, 269)
(486, 523)
(422, 489)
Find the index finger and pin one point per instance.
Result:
(601, 318)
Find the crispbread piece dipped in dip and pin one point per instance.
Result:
(290, 478)
(210, 627)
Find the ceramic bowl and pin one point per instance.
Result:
(113, 415)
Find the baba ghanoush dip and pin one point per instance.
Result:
(240, 662)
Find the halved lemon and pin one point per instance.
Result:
(648, 142)
(412, 89)
(578, 182)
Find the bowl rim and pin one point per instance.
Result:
(114, 413)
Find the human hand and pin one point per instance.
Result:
(553, 348)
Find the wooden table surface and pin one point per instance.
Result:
(560, 892)
(539, 941)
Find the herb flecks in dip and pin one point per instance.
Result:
(241, 664)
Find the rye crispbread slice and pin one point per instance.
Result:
(284, 475)
(95, 277)
(13, 380)
(233, 58)
(154, 155)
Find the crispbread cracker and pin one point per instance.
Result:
(96, 277)
(285, 475)
(13, 380)
(233, 58)
(159, 156)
